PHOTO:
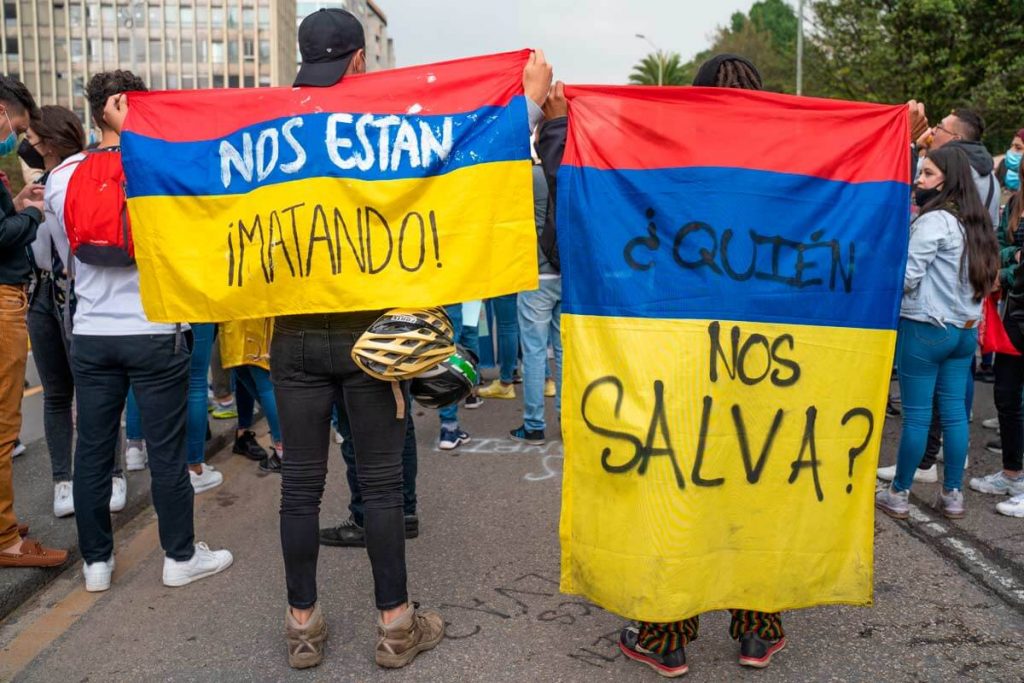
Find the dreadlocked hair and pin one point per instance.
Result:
(733, 73)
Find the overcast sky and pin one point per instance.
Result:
(587, 41)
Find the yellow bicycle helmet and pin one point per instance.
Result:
(405, 342)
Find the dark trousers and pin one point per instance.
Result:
(665, 637)
(50, 353)
(1009, 383)
(312, 369)
(409, 468)
(103, 368)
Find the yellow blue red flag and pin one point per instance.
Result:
(409, 187)
(732, 266)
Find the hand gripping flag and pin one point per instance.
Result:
(409, 187)
(732, 271)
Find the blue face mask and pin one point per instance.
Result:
(10, 143)
(1013, 159)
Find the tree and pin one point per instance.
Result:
(668, 65)
(945, 53)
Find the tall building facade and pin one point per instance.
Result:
(54, 46)
(380, 49)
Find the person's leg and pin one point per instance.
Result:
(159, 369)
(265, 393)
(660, 646)
(934, 442)
(220, 378)
(505, 310)
(304, 401)
(245, 401)
(451, 436)
(760, 635)
(50, 355)
(662, 638)
(378, 435)
(101, 384)
(410, 464)
(198, 419)
(922, 347)
(13, 359)
(554, 286)
(132, 419)
(535, 308)
(951, 389)
(1009, 384)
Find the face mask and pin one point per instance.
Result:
(10, 143)
(922, 197)
(1013, 159)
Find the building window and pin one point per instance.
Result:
(217, 52)
(154, 17)
(204, 81)
(248, 49)
(186, 53)
(124, 52)
(264, 81)
(187, 17)
(12, 49)
(140, 51)
(92, 14)
(217, 17)
(154, 51)
(157, 82)
(264, 50)
(232, 17)
(202, 52)
(107, 15)
(171, 51)
(171, 16)
(232, 81)
(172, 81)
(76, 49)
(248, 17)
(108, 51)
(249, 81)
(187, 82)
(264, 17)
(74, 15)
(233, 52)
(218, 80)
(78, 86)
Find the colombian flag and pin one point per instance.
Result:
(409, 187)
(732, 267)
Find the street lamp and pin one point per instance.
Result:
(661, 58)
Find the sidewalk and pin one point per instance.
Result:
(33, 502)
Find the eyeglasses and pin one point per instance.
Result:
(938, 126)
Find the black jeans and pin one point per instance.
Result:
(103, 369)
(50, 353)
(409, 468)
(312, 369)
(1009, 383)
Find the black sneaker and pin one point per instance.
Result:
(473, 401)
(531, 436)
(986, 375)
(247, 445)
(671, 664)
(892, 410)
(995, 446)
(348, 534)
(757, 652)
(271, 464)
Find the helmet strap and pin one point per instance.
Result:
(396, 387)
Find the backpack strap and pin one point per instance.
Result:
(991, 190)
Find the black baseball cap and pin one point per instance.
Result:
(328, 39)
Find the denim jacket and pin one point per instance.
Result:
(934, 288)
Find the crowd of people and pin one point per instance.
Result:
(78, 302)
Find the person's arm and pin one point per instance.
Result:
(53, 201)
(926, 236)
(537, 76)
(20, 217)
(41, 246)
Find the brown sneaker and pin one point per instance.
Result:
(414, 632)
(33, 555)
(305, 642)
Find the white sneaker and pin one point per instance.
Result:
(63, 499)
(338, 438)
(135, 456)
(210, 478)
(97, 575)
(998, 483)
(1014, 507)
(928, 476)
(19, 448)
(118, 494)
(204, 562)
(991, 423)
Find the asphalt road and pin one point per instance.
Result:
(488, 558)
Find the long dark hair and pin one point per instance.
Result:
(1013, 209)
(959, 196)
(61, 130)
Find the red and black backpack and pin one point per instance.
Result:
(96, 210)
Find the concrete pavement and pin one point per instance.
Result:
(488, 557)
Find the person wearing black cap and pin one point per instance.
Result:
(311, 368)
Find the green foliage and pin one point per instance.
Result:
(945, 53)
(669, 65)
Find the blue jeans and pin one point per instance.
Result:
(257, 384)
(540, 318)
(198, 415)
(132, 418)
(467, 336)
(933, 361)
(508, 335)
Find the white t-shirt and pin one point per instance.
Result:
(109, 304)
